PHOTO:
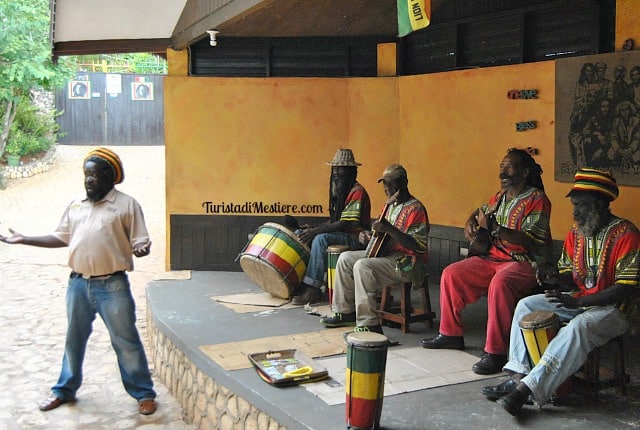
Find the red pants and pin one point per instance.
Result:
(504, 283)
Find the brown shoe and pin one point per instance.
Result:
(52, 402)
(147, 406)
(308, 295)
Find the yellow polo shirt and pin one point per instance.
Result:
(101, 235)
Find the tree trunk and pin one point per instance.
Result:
(7, 120)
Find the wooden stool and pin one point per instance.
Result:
(406, 314)
(598, 377)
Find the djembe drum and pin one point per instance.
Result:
(275, 259)
(333, 252)
(366, 362)
(538, 328)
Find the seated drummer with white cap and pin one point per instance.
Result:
(600, 264)
(400, 238)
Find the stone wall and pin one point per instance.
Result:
(205, 403)
(28, 169)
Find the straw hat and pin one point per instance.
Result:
(343, 157)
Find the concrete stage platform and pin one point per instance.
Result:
(181, 317)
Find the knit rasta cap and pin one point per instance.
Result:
(110, 158)
(596, 181)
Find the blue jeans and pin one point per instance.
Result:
(586, 329)
(316, 274)
(111, 299)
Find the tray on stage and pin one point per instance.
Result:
(287, 367)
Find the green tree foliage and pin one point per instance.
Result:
(138, 62)
(25, 58)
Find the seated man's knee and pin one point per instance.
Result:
(320, 240)
(363, 265)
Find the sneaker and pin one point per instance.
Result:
(339, 320)
(308, 295)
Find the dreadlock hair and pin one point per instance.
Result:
(534, 179)
(337, 196)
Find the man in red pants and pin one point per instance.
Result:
(517, 220)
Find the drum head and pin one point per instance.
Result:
(539, 319)
(367, 339)
(289, 233)
(266, 276)
(337, 248)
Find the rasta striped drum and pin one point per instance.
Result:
(366, 362)
(275, 259)
(538, 328)
(333, 252)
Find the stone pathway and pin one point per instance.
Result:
(32, 311)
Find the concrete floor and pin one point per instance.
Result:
(185, 312)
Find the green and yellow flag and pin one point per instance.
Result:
(413, 15)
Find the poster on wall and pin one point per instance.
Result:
(79, 90)
(142, 90)
(598, 115)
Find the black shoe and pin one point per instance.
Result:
(513, 402)
(494, 392)
(444, 342)
(339, 320)
(308, 295)
(489, 364)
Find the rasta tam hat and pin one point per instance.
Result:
(595, 181)
(393, 173)
(344, 157)
(110, 158)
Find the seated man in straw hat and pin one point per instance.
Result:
(397, 252)
(103, 229)
(600, 265)
(350, 213)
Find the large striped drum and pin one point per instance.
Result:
(333, 252)
(366, 362)
(275, 259)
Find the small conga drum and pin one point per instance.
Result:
(538, 328)
(366, 362)
(333, 252)
(275, 259)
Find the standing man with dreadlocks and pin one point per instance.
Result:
(517, 218)
(350, 214)
(102, 230)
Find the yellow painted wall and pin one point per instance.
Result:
(238, 139)
(627, 22)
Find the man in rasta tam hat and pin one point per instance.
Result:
(99, 259)
(597, 273)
